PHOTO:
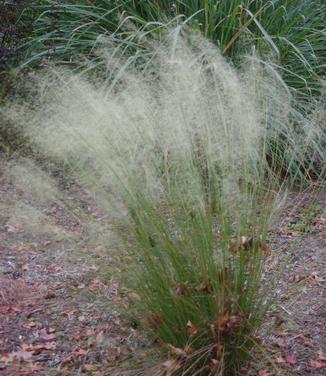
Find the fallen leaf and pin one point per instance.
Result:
(89, 367)
(218, 351)
(214, 365)
(308, 343)
(245, 242)
(99, 337)
(116, 298)
(207, 288)
(23, 267)
(6, 358)
(171, 366)
(49, 295)
(96, 284)
(94, 268)
(70, 314)
(315, 276)
(279, 320)
(11, 229)
(22, 355)
(291, 359)
(30, 325)
(9, 309)
(321, 355)
(45, 336)
(54, 268)
(296, 278)
(177, 351)
(263, 372)
(80, 352)
(37, 349)
(90, 332)
(182, 290)
(281, 343)
(265, 249)
(192, 329)
(319, 363)
(153, 321)
(78, 337)
(280, 360)
(4, 310)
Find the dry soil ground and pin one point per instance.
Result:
(62, 311)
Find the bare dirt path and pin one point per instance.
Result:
(58, 300)
(297, 344)
(60, 306)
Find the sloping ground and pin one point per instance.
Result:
(297, 344)
(61, 306)
(58, 300)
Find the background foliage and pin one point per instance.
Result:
(291, 32)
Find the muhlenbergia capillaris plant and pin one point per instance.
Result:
(177, 155)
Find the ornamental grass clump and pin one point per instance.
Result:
(176, 155)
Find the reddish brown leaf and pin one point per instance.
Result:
(291, 359)
(319, 363)
(265, 249)
(80, 352)
(6, 358)
(218, 351)
(37, 349)
(49, 295)
(263, 372)
(54, 268)
(4, 310)
(224, 320)
(192, 329)
(281, 343)
(78, 337)
(279, 320)
(308, 343)
(153, 321)
(30, 325)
